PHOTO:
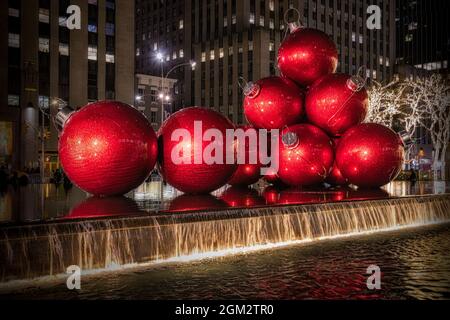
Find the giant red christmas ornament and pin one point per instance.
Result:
(370, 155)
(307, 55)
(337, 102)
(249, 172)
(107, 147)
(186, 150)
(273, 102)
(306, 155)
(335, 176)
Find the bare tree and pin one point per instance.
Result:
(429, 102)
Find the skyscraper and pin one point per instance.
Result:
(423, 39)
(230, 39)
(43, 62)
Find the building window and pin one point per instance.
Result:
(64, 49)
(155, 46)
(233, 19)
(261, 21)
(110, 58)
(272, 5)
(221, 53)
(44, 15)
(203, 56)
(92, 28)
(14, 40)
(109, 29)
(110, 4)
(13, 100)
(225, 22)
(250, 46)
(44, 45)
(181, 54)
(211, 55)
(271, 46)
(252, 18)
(181, 24)
(12, 12)
(44, 102)
(92, 53)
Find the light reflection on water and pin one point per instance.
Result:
(414, 264)
(44, 202)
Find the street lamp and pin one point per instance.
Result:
(164, 96)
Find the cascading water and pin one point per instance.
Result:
(48, 249)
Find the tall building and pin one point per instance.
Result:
(423, 38)
(43, 63)
(229, 39)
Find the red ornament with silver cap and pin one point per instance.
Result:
(273, 102)
(106, 147)
(306, 54)
(337, 102)
(370, 155)
(305, 156)
(194, 175)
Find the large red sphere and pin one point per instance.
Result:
(335, 104)
(370, 155)
(307, 55)
(194, 174)
(249, 172)
(307, 160)
(273, 102)
(107, 148)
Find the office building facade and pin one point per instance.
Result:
(44, 63)
(230, 39)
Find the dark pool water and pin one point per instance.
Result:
(414, 263)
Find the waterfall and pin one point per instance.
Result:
(48, 249)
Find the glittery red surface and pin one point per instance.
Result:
(370, 155)
(332, 106)
(280, 102)
(306, 55)
(107, 148)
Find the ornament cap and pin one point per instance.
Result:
(356, 83)
(251, 89)
(62, 116)
(405, 139)
(290, 139)
(294, 26)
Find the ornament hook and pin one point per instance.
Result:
(292, 25)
